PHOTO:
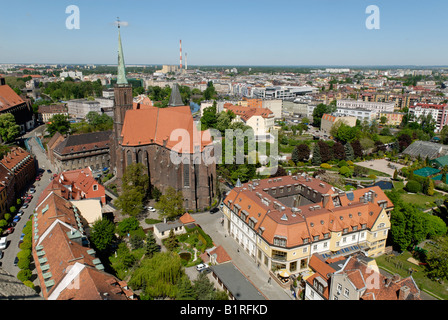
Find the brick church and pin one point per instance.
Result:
(145, 134)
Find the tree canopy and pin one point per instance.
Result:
(9, 129)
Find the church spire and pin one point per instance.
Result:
(175, 97)
(121, 78)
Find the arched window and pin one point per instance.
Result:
(129, 158)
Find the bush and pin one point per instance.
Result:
(24, 275)
(28, 283)
(345, 171)
(342, 163)
(413, 186)
(325, 166)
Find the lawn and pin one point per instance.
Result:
(421, 200)
(399, 264)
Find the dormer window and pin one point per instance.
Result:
(95, 187)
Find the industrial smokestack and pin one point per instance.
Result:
(180, 57)
(186, 66)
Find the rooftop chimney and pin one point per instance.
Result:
(404, 293)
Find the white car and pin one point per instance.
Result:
(151, 209)
(201, 267)
(3, 242)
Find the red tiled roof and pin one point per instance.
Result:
(172, 127)
(8, 98)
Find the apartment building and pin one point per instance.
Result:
(20, 165)
(45, 113)
(360, 114)
(439, 112)
(375, 107)
(393, 118)
(261, 120)
(282, 222)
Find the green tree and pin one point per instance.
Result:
(209, 117)
(136, 177)
(437, 258)
(127, 225)
(203, 288)
(103, 234)
(170, 204)
(151, 245)
(317, 159)
(301, 153)
(171, 242)
(158, 276)
(319, 111)
(210, 91)
(9, 129)
(58, 123)
(130, 202)
(185, 289)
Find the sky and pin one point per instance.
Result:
(226, 32)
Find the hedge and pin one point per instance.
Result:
(413, 186)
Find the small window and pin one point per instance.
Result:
(95, 187)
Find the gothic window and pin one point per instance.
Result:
(186, 175)
(129, 158)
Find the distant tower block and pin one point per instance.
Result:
(180, 57)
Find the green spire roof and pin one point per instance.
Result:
(121, 78)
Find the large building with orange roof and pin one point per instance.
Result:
(281, 222)
(11, 102)
(66, 266)
(166, 141)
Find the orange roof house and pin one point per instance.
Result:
(187, 219)
(76, 185)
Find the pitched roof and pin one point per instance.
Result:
(272, 219)
(170, 127)
(9, 98)
(187, 218)
(84, 142)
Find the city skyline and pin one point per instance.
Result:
(244, 33)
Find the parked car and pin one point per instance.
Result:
(22, 236)
(151, 209)
(214, 210)
(20, 242)
(201, 267)
(20, 212)
(49, 171)
(37, 178)
(25, 206)
(1, 254)
(16, 261)
(32, 190)
(9, 230)
(16, 219)
(3, 243)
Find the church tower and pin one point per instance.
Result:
(122, 102)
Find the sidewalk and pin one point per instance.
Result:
(210, 223)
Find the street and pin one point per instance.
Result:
(211, 224)
(13, 239)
